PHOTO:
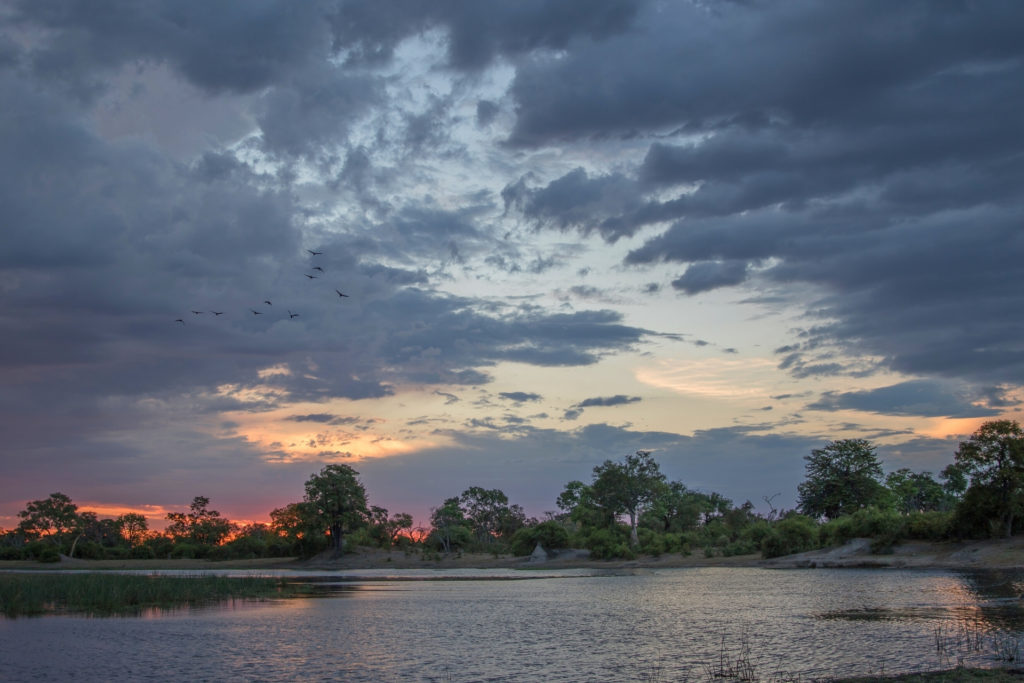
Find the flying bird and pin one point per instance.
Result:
(197, 312)
(340, 294)
(268, 303)
(255, 312)
(311, 277)
(179, 320)
(318, 268)
(217, 312)
(314, 253)
(292, 315)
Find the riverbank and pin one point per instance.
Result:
(988, 554)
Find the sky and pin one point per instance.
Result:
(726, 232)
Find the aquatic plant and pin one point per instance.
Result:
(108, 593)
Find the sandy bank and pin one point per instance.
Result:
(990, 554)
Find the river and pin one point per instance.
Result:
(655, 625)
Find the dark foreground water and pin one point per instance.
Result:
(661, 625)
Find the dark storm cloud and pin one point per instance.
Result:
(924, 398)
(237, 46)
(841, 147)
(708, 275)
(477, 32)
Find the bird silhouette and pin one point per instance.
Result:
(340, 294)
(318, 268)
(311, 277)
(314, 253)
(197, 312)
(179, 320)
(268, 303)
(217, 312)
(255, 312)
(292, 315)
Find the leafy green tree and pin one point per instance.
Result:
(489, 514)
(132, 527)
(993, 459)
(451, 528)
(677, 509)
(200, 525)
(54, 518)
(916, 491)
(842, 477)
(298, 526)
(398, 525)
(482, 509)
(339, 502)
(628, 487)
(578, 503)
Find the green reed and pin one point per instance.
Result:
(109, 594)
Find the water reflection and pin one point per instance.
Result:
(661, 624)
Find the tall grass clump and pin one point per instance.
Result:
(102, 593)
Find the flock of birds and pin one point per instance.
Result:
(291, 315)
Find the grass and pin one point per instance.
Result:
(958, 675)
(33, 594)
(958, 640)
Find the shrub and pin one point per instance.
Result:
(9, 553)
(794, 534)
(932, 525)
(48, 554)
(160, 545)
(605, 544)
(836, 531)
(183, 551)
(89, 550)
(117, 552)
(143, 552)
(551, 535)
(755, 533)
(651, 542)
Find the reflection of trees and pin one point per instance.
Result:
(997, 597)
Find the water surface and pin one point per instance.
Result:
(668, 624)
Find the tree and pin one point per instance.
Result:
(916, 492)
(993, 459)
(298, 525)
(339, 502)
(451, 528)
(132, 527)
(628, 487)
(489, 515)
(677, 509)
(842, 478)
(199, 525)
(399, 524)
(578, 503)
(55, 518)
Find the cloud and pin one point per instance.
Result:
(573, 412)
(925, 398)
(820, 155)
(520, 396)
(617, 400)
(708, 275)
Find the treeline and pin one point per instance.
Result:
(627, 508)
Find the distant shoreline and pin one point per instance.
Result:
(989, 554)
